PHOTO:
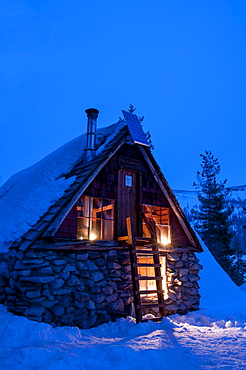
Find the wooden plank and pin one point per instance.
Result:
(149, 278)
(149, 305)
(165, 249)
(134, 270)
(142, 245)
(158, 282)
(140, 184)
(155, 319)
(147, 265)
(131, 236)
(127, 200)
(122, 238)
(149, 291)
(147, 252)
(133, 199)
(120, 211)
(150, 226)
(140, 238)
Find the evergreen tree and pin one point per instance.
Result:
(238, 263)
(244, 226)
(212, 219)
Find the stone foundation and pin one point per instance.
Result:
(74, 288)
(182, 276)
(87, 287)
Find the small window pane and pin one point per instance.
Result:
(97, 208)
(128, 180)
(108, 209)
(95, 218)
(146, 232)
(95, 229)
(87, 206)
(160, 216)
(108, 230)
(164, 234)
(83, 228)
(80, 208)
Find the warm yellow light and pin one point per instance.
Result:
(81, 238)
(165, 240)
(93, 236)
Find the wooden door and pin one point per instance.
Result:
(127, 199)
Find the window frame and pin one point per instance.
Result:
(90, 217)
(162, 222)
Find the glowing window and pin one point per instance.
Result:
(160, 217)
(95, 218)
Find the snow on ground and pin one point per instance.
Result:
(243, 287)
(212, 338)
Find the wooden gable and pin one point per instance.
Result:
(143, 189)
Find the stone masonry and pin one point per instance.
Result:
(87, 287)
(64, 287)
(182, 276)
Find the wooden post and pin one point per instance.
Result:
(134, 269)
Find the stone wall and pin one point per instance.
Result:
(4, 277)
(63, 287)
(182, 276)
(87, 287)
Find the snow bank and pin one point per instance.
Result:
(217, 289)
(119, 345)
(27, 195)
(243, 287)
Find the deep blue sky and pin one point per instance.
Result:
(181, 63)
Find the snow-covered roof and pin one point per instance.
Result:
(29, 194)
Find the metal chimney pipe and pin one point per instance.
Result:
(90, 149)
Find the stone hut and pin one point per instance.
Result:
(93, 232)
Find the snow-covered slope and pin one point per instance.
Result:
(217, 289)
(188, 199)
(27, 195)
(211, 338)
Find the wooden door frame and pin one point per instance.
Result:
(121, 217)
